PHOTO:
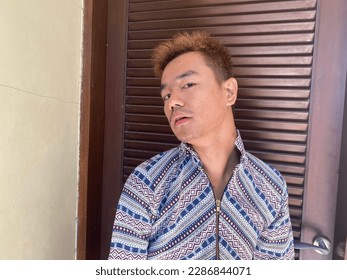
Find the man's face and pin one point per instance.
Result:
(195, 103)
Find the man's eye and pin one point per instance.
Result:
(189, 85)
(166, 96)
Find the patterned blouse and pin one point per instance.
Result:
(168, 210)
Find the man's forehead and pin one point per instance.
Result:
(190, 61)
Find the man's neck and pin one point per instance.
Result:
(219, 158)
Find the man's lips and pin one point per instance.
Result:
(178, 119)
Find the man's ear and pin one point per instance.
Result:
(231, 88)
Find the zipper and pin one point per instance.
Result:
(217, 227)
(218, 203)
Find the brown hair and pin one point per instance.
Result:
(215, 53)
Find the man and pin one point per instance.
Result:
(208, 198)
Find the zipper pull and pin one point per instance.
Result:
(217, 206)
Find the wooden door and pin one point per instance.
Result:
(273, 45)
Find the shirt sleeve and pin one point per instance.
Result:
(132, 223)
(276, 241)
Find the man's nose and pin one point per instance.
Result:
(176, 100)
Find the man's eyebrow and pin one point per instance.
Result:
(162, 87)
(186, 74)
(181, 76)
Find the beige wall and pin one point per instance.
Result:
(40, 69)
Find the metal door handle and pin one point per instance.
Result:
(320, 244)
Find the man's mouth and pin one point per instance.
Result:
(180, 120)
(180, 117)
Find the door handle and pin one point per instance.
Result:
(321, 245)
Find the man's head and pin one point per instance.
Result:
(196, 88)
(215, 54)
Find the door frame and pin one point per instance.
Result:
(102, 112)
(114, 115)
(92, 123)
(325, 126)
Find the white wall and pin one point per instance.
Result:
(40, 77)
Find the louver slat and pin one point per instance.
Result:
(221, 20)
(213, 5)
(271, 47)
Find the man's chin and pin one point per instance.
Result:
(187, 138)
(186, 135)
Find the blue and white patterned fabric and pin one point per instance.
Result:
(167, 210)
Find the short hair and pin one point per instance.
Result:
(215, 53)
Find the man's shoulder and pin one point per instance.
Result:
(266, 171)
(152, 171)
(159, 162)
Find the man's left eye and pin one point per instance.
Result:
(188, 85)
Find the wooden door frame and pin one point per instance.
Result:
(92, 123)
(325, 127)
(114, 115)
(101, 132)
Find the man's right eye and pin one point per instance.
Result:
(166, 96)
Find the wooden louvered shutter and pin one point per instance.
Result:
(271, 46)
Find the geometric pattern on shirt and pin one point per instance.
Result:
(167, 211)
